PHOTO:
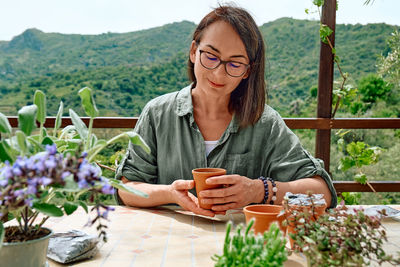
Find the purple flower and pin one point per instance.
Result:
(50, 163)
(65, 175)
(19, 192)
(52, 149)
(45, 180)
(3, 182)
(83, 184)
(107, 189)
(17, 171)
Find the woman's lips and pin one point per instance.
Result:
(215, 84)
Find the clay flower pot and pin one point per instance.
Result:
(200, 176)
(264, 215)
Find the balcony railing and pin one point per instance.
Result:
(293, 123)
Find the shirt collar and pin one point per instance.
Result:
(184, 103)
(184, 106)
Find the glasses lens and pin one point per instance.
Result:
(235, 68)
(209, 60)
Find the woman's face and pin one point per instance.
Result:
(219, 40)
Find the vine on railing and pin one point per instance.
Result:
(358, 154)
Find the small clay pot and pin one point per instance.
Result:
(264, 215)
(200, 176)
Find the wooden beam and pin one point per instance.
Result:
(292, 123)
(325, 84)
(379, 186)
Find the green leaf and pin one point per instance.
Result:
(361, 178)
(57, 124)
(119, 185)
(70, 184)
(84, 206)
(88, 102)
(21, 140)
(138, 140)
(39, 99)
(5, 126)
(318, 3)
(47, 141)
(26, 119)
(70, 207)
(80, 126)
(346, 163)
(5, 152)
(92, 152)
(2, 232)
(48, 209)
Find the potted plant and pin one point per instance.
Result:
(248, 249)
(340, 237)
(44, 175)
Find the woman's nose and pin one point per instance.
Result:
(220, 70)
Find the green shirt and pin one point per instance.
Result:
(269, 148)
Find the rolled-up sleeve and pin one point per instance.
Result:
(290, 161)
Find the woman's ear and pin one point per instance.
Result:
(192, 53)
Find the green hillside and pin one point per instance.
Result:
(128, 69)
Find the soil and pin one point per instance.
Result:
(13, 234)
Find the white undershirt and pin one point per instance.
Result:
(210, 145)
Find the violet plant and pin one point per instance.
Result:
(48, 174)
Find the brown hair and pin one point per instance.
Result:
(248, 99)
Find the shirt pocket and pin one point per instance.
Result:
(237, 163)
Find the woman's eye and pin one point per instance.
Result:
(211, 57)
(234, 64)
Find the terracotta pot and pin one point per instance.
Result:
(318, 211)
(30, 253)
(264, 215)
(200, 176)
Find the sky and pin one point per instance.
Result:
(101, 16)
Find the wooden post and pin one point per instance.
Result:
(325, 84)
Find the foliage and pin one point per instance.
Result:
(372, 88)
(248, 249)
(389, 65)
(127, 70)
(340, 237)
(48, 174)
(357, 155)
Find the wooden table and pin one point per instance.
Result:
(169, 236)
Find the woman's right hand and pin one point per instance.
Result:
(181, 196)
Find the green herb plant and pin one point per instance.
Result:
(248, 249)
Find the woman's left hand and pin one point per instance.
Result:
(238, 191)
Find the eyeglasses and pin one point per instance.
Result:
(233, 68)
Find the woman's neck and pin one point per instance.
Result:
(209, 105)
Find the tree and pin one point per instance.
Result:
(373, 87)
(389, 65)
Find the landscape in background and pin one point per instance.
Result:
(126, 70)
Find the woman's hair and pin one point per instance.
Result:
(248, 99)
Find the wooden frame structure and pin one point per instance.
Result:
(324, 123)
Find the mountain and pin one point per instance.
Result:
(128, 69)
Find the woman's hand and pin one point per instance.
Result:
(185, 199)
(238, 191)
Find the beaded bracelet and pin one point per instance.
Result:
(274, 190)
(262, 178)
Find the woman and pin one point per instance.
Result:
(220, 120)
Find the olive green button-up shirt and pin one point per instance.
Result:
(269, 148)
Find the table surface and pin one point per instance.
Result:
(169, 236)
